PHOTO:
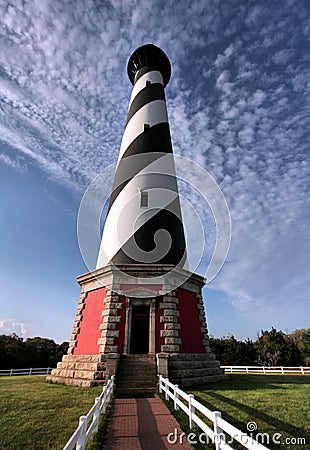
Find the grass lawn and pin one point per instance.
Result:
(276, 403)
(35, 415)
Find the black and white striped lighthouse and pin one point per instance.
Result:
(141, 312)
(144, 222)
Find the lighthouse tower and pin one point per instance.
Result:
(141, 310)
(144, 208)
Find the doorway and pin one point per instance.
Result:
(140, 327)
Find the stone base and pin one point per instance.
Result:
(85, 370)
(187, 370)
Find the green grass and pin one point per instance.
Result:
(35, 415)
(277, 404)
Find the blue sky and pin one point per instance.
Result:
(238, 104)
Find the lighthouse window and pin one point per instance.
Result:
(144, 199)
(148, 83)
(146, 127)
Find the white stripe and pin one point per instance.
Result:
(152, 113)
(153, 77)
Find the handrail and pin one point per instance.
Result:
(81, 435)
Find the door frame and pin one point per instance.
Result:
(130, 302)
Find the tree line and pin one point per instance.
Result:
(17, 353)
(271, 348)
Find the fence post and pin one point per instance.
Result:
(97, 413)
(109, 386)
(247, 369)
(282, 371)
(112, 384)
(264, 369)
(160, 386)
(166, 391)
(302, 370)
(176, 397)
(11, 372)
(104, 399)
(30, 371)
(81, 442)
(231, 369)
(218, 432)
(191, 411)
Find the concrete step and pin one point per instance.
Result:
(133, 386)
(140, 381)
(135, 359)
(135, 367)
(133, 375)
(138, 362)
(136, 373)
(150, 381)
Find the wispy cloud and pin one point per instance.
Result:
(238, 104)
(16, 164)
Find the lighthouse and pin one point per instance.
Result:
(141, 310)
(144, 222)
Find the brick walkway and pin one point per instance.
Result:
(143, 424)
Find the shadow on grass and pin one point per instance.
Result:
(264, 417)
(215, 395)
(219, 392)
(249, 381)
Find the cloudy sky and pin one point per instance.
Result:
(238, 104)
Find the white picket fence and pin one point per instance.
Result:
(220, 426)
(89, 424)
(30, 371)
(266, 369)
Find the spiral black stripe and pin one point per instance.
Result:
(144, 239)
(154, 139)
(152, 144)
(127, 169)
(143, 71)
(153, 92)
